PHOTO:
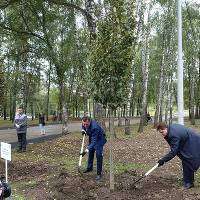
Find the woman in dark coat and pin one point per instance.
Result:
(42, 123)
(184, 143)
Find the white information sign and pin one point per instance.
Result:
(6, 151)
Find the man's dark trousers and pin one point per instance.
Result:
(99, 158)
(21, 141)
(188, 173)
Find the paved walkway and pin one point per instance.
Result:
(33, 133)
(52, 131)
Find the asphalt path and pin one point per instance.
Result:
(33, 133)
(52, 131)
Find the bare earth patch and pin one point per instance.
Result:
(53, 180)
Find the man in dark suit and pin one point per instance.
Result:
(97, 139)
(184, 143)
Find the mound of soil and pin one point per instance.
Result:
(78, 187)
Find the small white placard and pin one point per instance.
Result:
(6, 151)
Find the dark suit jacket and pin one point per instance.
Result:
(184, 143)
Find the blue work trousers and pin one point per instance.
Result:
(99, 157)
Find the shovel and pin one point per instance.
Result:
(147, 173)
(82, 146)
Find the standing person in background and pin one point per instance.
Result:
(20, 124)
(42, 123)
(148, 117)
(97, 139)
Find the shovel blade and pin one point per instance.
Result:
(147, 173)
(138, 180)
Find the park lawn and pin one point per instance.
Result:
(49, 170)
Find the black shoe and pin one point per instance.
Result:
(188, 186)
(23, 150)
(98, 177)
(87, 170)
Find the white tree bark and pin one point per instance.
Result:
(145, 67)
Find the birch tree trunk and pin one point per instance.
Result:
(64, 113)
(48, 90)
(192, 89)
(170, 101)
(128, 108)
(197, 110)
(167, 100)
(145, 70)
(159, 95)
(89, 5)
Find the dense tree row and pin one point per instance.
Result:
(107, 57)
(68, 56)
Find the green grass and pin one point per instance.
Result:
(5, 123)
(198, 177)
(17, 196)
(9, 124)
(71, 165)
(48, 153)
(20, 186)
(24, 184)
(125, 167)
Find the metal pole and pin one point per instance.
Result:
(180, 67)
(6, 166)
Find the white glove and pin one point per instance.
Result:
(17, 125)
(83, 132)
(86, 150)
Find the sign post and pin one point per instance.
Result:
(6, 154)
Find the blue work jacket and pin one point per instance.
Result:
(97, 137)
(184, 143)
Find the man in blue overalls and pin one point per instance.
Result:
(97, 139)
(184, 143)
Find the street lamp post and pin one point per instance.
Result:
(180, 66)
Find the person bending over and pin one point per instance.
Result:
(185, 144)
